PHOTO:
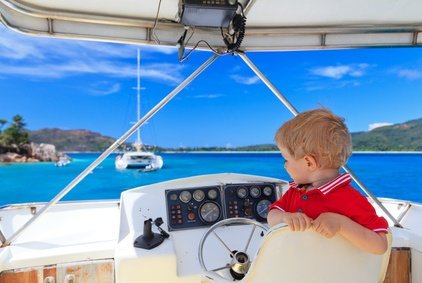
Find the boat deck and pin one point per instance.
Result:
(70, 231)
(102, 233)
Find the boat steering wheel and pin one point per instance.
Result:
(238, 262)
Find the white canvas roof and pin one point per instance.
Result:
(270, 24)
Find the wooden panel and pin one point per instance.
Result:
(19, 277)
(399, 266)
(95, 271)
(28, 275)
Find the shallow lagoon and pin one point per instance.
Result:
(385, 174)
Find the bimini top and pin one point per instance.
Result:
(223, 25)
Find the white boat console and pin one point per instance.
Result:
(188, 208)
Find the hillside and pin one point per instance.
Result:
(71, 140)
(399, 137)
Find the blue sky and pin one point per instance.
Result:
(90, 85)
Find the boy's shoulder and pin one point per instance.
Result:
(348, 195)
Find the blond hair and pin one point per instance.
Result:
(318, 133)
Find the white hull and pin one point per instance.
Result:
(104, 232)
(139, 160)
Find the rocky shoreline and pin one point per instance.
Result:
(31, 153)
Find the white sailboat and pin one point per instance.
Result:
(139, 159)
(124, 241)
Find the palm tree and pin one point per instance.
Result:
(18, 122)
(16, 133)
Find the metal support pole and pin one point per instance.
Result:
(372, 196)
(112, 148)
(293, 110)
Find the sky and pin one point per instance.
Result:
(68, 84)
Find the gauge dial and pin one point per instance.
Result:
(198, 195)
(209, 212)
(267, 191)
(212, 194)
(262, 208)
(255, 192)
(185, 196)
(242, 192)
(173, 197)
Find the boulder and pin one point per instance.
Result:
(31, 153)
(44, 152)
(14, 157)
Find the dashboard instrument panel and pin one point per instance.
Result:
(203, 206)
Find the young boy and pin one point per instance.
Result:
(314, 145)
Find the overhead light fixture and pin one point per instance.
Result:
(207, 13)
(225, 15)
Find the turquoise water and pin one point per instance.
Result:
(386, 175)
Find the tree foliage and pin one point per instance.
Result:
(2, 123)
(15, 135)
(399, 137)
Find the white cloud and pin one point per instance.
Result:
(171, 73)
(160, 49)
(57, 58)
(337, 84)
(245, 80)
(378, 125)
(208, 96)
(332, 72)
(15, 46)
(104, 88)
(338, 72)
(410, 74)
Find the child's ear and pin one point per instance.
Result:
(311, 162)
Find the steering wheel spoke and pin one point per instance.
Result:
(224, 244)
(250, 237)
(221, 268)
(239, 260)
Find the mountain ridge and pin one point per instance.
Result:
(405, 136)
(72, 140)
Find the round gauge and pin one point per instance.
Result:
(198, 195)
(185, 196)
(268, 191)
(212, 194)
(262, 208)
(255, 192)
(209, 212)
(173, 197)
(242, 192)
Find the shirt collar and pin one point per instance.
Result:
(338, 181)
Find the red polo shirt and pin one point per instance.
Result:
(337, 196)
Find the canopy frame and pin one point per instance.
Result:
(31, 19)
(151, 113)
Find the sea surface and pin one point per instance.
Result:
(387, 175)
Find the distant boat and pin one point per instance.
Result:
(145, 160)
(63, 161)
(140, 158)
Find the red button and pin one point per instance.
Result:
(191, 216)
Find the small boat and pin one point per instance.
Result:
(63, 161)
(209, 228)
(139, 159)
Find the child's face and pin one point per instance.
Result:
(297, 168)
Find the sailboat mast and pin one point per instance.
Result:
(138, 91)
